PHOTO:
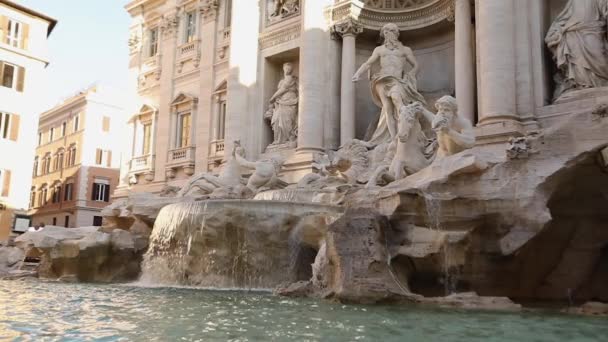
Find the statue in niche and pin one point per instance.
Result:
(395, 85)
(577, 39)
(283, 110)
(283, 8)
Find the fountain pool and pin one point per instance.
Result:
(48, 311)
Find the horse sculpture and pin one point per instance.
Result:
(413, 149)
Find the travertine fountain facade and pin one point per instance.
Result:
(400, 147)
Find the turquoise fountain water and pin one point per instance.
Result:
(42, 311)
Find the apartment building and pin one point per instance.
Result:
(23, 60)
(77, 161)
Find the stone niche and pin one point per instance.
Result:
(272, 75)
(434, 50)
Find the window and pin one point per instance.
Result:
(152, 42)
(105, 125)
(32, 198)
(35, 168)
(15, 28)
(54, 221)
(56, 194)
(97, 221)
(66, 222)
(39, 138)
(71, 159)
(42, 198)
(52, 134)
(147, 137)
(59, 160)
(5, 182)
(184, 130)
(9, 126)
(190, 27)
(67, 192)
(46, 164)
(101, 190)
(64, 126)
(76, 123)
(222, 121)
(98, 156)
(12, 76)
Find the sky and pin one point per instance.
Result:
(88, 45)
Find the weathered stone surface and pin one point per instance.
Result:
(590, 309)
(84, 254)
(470, 300)
(10, 259)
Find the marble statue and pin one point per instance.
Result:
(283, 8)
(454, 133)
(265, 172)
(577, 39)
(394, 86)
(283, 110)
(413, 150)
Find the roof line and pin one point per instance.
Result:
(52, 21)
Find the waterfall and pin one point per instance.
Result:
(433, 211)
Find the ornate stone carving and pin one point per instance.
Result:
(454, 133)
(408, 14)
(577, 39)
(276, 37)
(348, 26)
(281, 9)
(522, 147)
(169, 23)
(208, 9)
(282, 112)
(134, 43)
(394, 85)
(600, 111)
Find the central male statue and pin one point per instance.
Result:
(394, 86)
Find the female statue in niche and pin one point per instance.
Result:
(283, 110)
(577, 39)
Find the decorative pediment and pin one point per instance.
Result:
(182, 98)
(222, 87)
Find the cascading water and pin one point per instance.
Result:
(433, 211)
(239, 244)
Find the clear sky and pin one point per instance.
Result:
(88, 45)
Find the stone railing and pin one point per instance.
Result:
(181, 155)
(188, 49)
(217, 148)
(225, 35)
(141, 163)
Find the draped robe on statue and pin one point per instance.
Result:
(578, 41)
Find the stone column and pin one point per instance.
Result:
(312, 81)
(496, 53)
(348, 29)
(205, 60)
(465, 61)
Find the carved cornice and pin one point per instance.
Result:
(208, 9)
(421, 15)
(168, 24)
(279, 36)
(347, 27)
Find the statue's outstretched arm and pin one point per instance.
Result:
(465, 138)
(244, 162)
(367, 65)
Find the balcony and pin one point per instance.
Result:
(182, 157)
(188, 50)
(142, 164)
(217, 148)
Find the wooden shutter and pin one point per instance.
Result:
(106, 124)
(106, 194)
(3, 28)
(20, 78)
(14, 135)
(98, 154)
(1, 71)
(94, 192)
(6, 182)
(109, 161)
(25, 38)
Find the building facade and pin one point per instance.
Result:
(23, 59)
(210, 72)
(77, 161)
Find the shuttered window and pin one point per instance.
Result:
(12, 76)
(101, 191)
(14, 33)
(105, 126)
(67, 191)
(5, 182)
(184, 130)
(9, 126)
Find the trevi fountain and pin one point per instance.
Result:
(463, 198)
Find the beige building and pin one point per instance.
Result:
(76, 166)
(207, 74)
(23, 59)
